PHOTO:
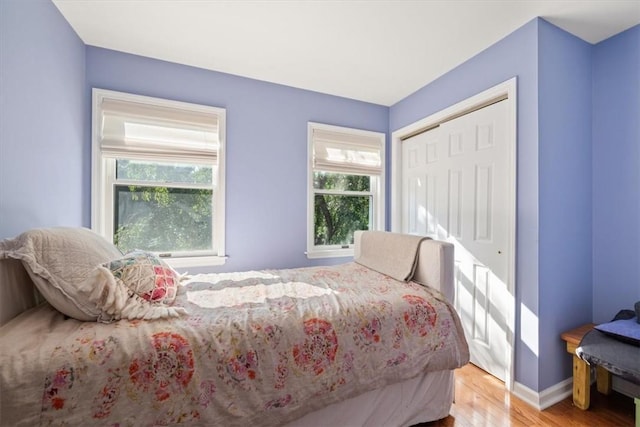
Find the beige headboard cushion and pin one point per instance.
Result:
(17, 291)
(435, 265)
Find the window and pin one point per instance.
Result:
(346, 187)
(158, 177)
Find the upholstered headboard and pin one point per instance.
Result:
(17, 291)
(434, 267)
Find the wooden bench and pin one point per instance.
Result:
(582, 371)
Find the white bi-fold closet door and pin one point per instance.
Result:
(455, 187)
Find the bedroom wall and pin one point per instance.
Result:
(266, 147)
(515, 55)
(564, 197)
(43, 119)
(616, 174)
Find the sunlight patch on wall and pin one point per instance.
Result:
(529, 329)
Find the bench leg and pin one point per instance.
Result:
(581, 383)
(603, 379)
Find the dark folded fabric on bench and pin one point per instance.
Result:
(624, 329)
(617, 357)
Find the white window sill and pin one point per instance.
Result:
(196, 261)
(329, 253)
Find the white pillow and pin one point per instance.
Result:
(58, 261)
(65, 264)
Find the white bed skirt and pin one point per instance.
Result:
(424, 398)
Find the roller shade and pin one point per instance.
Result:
(348, 153)
(134, 129)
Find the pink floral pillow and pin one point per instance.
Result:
(146, 275)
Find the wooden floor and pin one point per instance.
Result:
(481, 401)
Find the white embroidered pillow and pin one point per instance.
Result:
(67, 266)
(59, 261)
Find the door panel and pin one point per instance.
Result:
(456, 188)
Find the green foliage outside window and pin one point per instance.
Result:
(337, 216)
(163, 218)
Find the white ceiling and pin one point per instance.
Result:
(370, 50)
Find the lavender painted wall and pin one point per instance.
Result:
(43, 119)
(515, 55)
(616, 174)
(564, 197)
(266, 147)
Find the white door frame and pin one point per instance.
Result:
(506, 89)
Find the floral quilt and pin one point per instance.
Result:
(256, 348)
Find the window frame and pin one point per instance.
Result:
(376, 191)
(103, 177)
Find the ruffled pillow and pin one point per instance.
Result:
(59, 260)
(139, 285)
(147, 275)
(69, 268)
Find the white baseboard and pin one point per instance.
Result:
(547, 397)
(562, 390)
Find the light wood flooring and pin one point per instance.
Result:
(482, 401)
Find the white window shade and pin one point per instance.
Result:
(135, 129)
(349, 153)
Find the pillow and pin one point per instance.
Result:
(67, 267)
(627, 330)
(58, 261)
(146, 275)
(136, 286)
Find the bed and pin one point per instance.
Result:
(369, 342)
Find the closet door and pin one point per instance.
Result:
(455, 187)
